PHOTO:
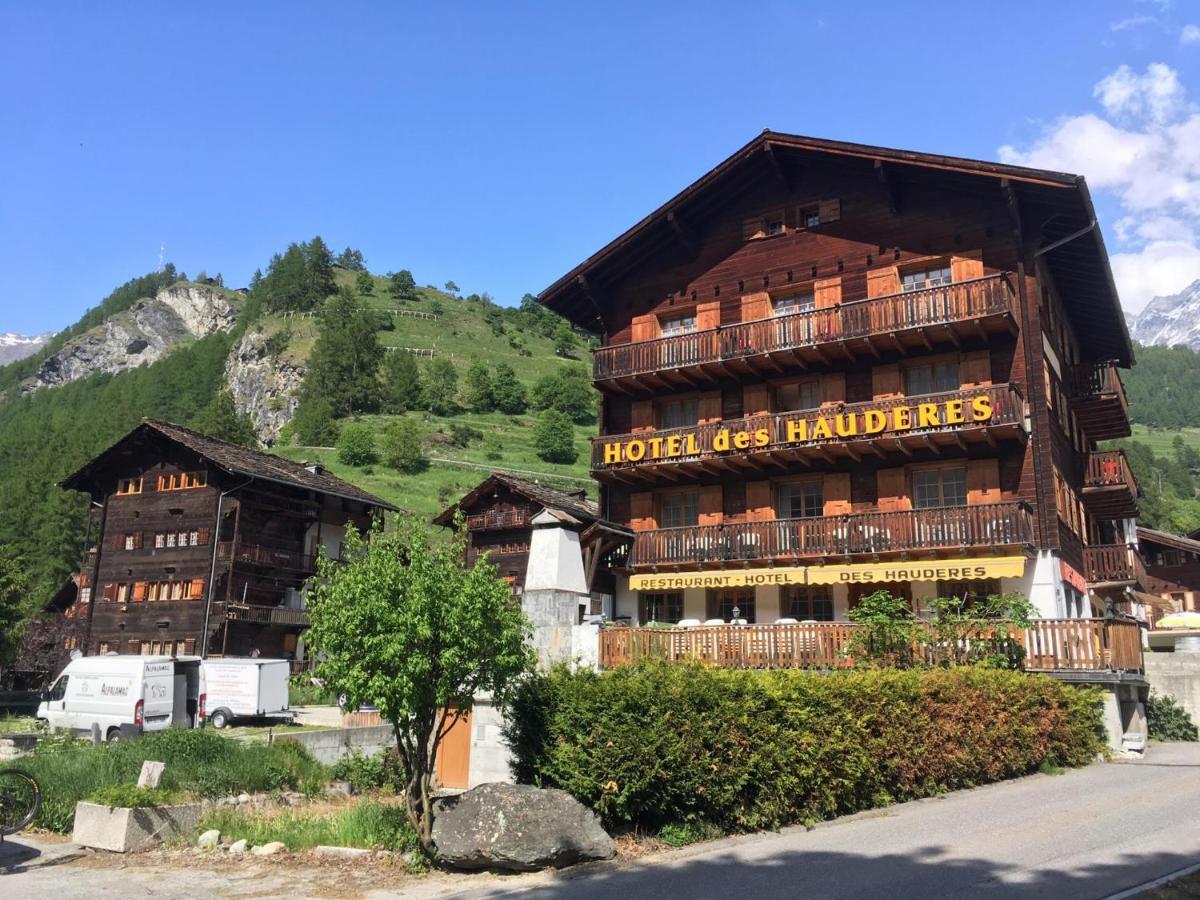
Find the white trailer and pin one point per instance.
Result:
(246, 689)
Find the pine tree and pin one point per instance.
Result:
(318, 272)
(479, 387)
(508, 393)
(351, 260)
(344, 362)
(401, 390)
(220, 419)
(314, 422)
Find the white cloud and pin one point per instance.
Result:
(1132, 22)
(1190, 34)
(1145, 151)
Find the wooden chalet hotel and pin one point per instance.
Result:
(829, 368)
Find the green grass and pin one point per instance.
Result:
(368, 824)
(10, 724)
(1160, 439)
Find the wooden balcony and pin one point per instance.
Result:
(860, 328)
(1109, 489)
(1047, 645)
(1113, 564)
(267, 615)
(500, 519)
(697, 453)
(949, 529)
(1098, 398)
(267, 557)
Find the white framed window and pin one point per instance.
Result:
(944, 486)
(193, 538)
(130, 542)
(684, 324)
(171, 536)
(680, 510)
(794, 303)
(919, 280)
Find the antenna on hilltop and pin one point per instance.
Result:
(162, 249)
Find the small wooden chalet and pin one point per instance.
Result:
(202, 546)
(1172, 569)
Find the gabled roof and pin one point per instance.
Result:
(578, 507)
(1167, 539)
(1059, 204)
(233, 458)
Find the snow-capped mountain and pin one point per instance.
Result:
(18, 346)
(1167, 321)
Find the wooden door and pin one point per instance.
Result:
(454, 755)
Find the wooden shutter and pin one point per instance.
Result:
(644, 328)
(133, 646)
(837, 494)
(975, 370)
(202, 536)
(711, 505)
(885, 382)
(881, 282)
(734, 500)
(708, 315)
(139, 591)
(892, 485)
(983, 481)
(196, 591)
(964, 268)
(754, 228)
(756, 305)
(731, 402)
(758, 501)
(833, 388)
(829, 210)
(189, 646)
(110, 592)
(827, 292)
(643, 415)
(710, 407)
(641, 505)
(756, 400)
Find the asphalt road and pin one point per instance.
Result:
(1087, 833)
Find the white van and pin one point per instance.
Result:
(125, 694)
(239, 688)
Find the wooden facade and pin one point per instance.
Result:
(824, 352)
(203, 547)
(1172, 568)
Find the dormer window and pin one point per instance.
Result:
(922, 279)
(793, 303)
(774, 227)
(684, 324)
(810, 216)
(127, 486)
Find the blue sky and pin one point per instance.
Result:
(497, 144)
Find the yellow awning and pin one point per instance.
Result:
(859, 573)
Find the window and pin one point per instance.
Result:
(940, 487)
(102, 647)
(810, 216)
(171, 538)
(660, 607)
(801, 500)
(59, 690)
(679, 510)
(127, 486)
(925, 278)
(931, 379)
(85, 595)
(144, 648)
(721, 605)
(130, 542)
(812, 602)
(182, 481)
(193, 538)
(678, 413)
(774, 226)
(793, 303)
(799, 395)
(684, 324)
(974, 592)
(123, 593)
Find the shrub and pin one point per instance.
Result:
(662, 744)
(369, 773)
(131, 796)
(1168, 721)
(889, 635)
(303, 690)
(356, 445)
(314, 423)
(464, 435)
(554, 438)
(402, 446)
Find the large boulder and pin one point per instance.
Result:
(517, 828)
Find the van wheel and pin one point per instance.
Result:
(219, 719)
(113, 736)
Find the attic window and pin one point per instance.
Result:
(774, 227)
(810, 216)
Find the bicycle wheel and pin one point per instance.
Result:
(20, 800)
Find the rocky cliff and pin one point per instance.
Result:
(265, 384)
(140, 335)
(1167, 321)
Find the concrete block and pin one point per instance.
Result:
(343, 852)
(270, 849)
(151, 774)
(124, 830)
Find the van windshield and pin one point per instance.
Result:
(59, 690)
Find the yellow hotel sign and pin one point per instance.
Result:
(816, 426)
(862, 573)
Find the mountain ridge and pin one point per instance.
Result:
(14, 347)
(1169, 320)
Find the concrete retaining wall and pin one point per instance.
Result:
(329, 746)
(1177, 674)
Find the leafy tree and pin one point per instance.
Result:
(404, 626)
(220, 419)
(479, 387)
(314, 422)
(402, 447)
(356, 445)
(569, 391)
(351, 260)
(564, 339)
(890, 633)
(14, 588)
(344, 362)
(554, 438)
(401, 286)
(451, 287)
(440, 385)
(401, 382)
(364, 283)
(507, 392)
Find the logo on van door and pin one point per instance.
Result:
(114, 690)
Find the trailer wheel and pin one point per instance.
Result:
(114, 736)
(220, 718)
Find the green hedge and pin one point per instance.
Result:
(662, 743)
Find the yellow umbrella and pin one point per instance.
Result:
(1179, 620)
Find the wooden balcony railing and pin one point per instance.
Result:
(1007, 405)
(1110, 489)
(1113, 563)
(1098, 397)
(494, 519)
(257, 554)
(967, 303)
(941, 528)
(266, 615)
(1047, 645)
